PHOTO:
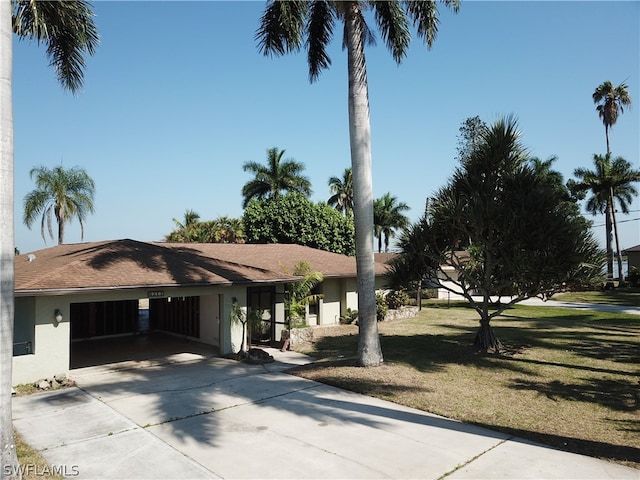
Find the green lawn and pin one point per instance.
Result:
(617, 296)
(570, 378)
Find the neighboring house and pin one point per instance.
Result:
(70, 293)
(633, 257)
(448, 276)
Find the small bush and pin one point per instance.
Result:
(349, 317)
(297, 322)
(634, 277)
(381, 307)
(396, 299)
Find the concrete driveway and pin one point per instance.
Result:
(197, 416)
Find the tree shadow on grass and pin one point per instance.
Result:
(424, 352)
(624, 454)
(621, 395)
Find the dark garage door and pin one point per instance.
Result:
(179, 315)
(98, 319)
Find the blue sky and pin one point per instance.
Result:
(177, 98)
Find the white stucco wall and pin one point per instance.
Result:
(50, 343)
(330, 305)
(210, 321)
(349, 294)
(231, 340)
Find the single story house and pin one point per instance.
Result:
(633, 257)
(78, 292)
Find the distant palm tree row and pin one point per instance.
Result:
(220, 230)
(282, 176)
(68, 194)
(612, 179)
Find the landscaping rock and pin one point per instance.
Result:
(401, 313)
(258, 356)
(43, 384)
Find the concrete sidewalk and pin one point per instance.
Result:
(601, 307)
(208, 417)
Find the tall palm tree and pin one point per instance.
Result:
(341, 190)
(285, 27)
(68, 31)
(610, 102)
(276, 177)
(611, 180)
(65, 194)
(387, 218)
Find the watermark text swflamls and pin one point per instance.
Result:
(33, 470)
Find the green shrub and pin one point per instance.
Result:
(349, 317)
(396, 299)
(381, 307)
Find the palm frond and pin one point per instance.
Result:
(68, 30)
(281, 27)
(319, 29)
(394, 27)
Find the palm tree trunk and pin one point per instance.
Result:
(369, 351)
(60, 218)
(615, 233)
(608, 228)
(8, 458)
(606, 134)
(60, 231)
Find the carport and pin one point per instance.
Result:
(104, 332)
(139, 348)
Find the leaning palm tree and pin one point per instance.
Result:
(387, 218)
(65, 194)
(341, 190)
(285, 27)
(276, 177)
(610, 102)
(68, 31)
(611, 180)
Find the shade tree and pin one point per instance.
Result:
(502, 231)
(293, 218)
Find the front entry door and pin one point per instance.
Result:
(263, 299)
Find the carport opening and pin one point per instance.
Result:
(134, 330)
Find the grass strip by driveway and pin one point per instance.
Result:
(570, 378)
(33, 465)
(617, 296)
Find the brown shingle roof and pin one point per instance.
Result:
(632, 249)
(129, 264)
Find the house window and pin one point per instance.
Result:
(314, 308)
(24, 326)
